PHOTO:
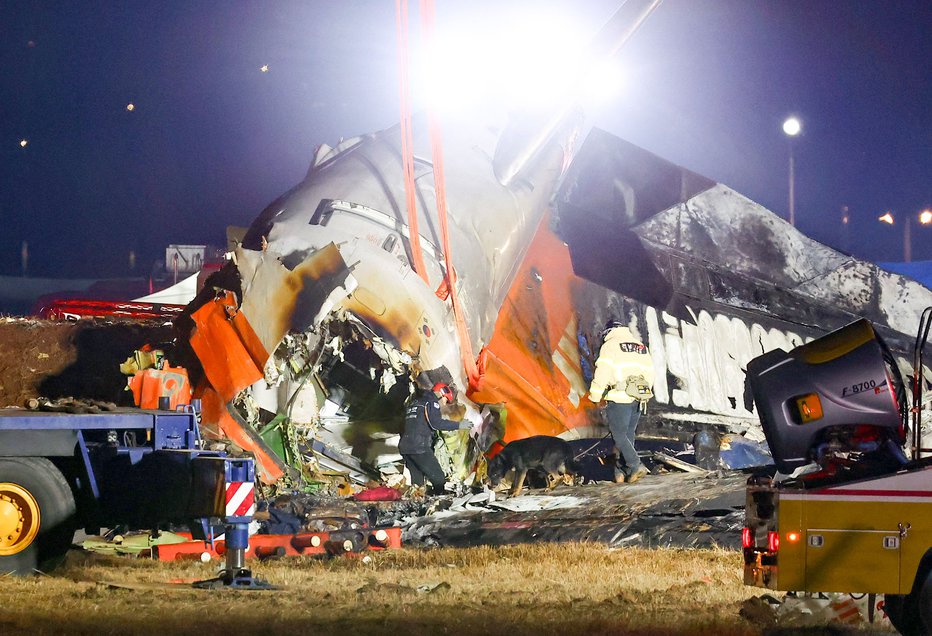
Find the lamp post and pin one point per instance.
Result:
(925, 218)
(792, 127)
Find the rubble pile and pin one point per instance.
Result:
(705, 511)
(46, 359)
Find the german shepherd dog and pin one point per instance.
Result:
(550, 455)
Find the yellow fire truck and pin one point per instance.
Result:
(849, 510)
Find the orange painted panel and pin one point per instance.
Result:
(534, 346)
(217, 423)
(227, 347)
(233, 358)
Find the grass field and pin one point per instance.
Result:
(529, 589)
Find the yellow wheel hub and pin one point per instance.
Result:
(19, 518)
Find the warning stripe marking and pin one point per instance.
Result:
(241, 499)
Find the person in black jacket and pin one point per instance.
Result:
(422, 421)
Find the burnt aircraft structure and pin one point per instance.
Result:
(314, 335)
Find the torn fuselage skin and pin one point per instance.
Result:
(340, 371)
(393, 325)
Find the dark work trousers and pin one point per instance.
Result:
(423, 465)
(623, 423)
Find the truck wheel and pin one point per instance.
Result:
(925, 603)
(899, 610)
(37, 513)
(911, 614)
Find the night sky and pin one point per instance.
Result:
(212, 138)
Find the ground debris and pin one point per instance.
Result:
(43, 358)
(678, 464)
(707, 512)
(759, 610)
(374, 587)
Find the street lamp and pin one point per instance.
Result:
(792, 127)
(925, 218)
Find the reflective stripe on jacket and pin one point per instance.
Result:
(422, 418)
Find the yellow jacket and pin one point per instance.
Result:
(621, 356)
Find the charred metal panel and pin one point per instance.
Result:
(685, 224)
(610, 188)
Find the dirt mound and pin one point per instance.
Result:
(40, 358)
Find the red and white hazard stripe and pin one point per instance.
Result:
(846, 611)
(241, 499)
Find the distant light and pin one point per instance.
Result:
(23, 143)
(264, 68)
(130, 107)
(886, 218)
(925, 217)
(792, 126)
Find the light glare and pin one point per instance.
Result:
(23, 143)
(925, 217)
(514, 68)
(792, 126)
(886, 218)
(601, 83)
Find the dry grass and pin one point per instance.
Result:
(532, 589)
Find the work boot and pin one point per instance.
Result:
(640, 472)
(620, 477)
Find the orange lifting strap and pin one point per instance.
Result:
(436, 149)
(407, 142)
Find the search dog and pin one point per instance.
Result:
(549, 455)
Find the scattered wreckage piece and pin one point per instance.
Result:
(69, 405)
(706, 511)
(810, 611)
(678, 464)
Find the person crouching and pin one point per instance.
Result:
(422, 422)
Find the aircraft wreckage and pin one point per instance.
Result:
(339, 301)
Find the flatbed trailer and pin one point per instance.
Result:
(138, 469)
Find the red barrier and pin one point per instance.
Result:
(275, 545)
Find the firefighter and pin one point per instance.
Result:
(624, 377)
(422, 421)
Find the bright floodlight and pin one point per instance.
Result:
(792, 126)
(518, 61)
(925, 217)
(886, 218)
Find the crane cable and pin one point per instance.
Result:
(407, 142)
